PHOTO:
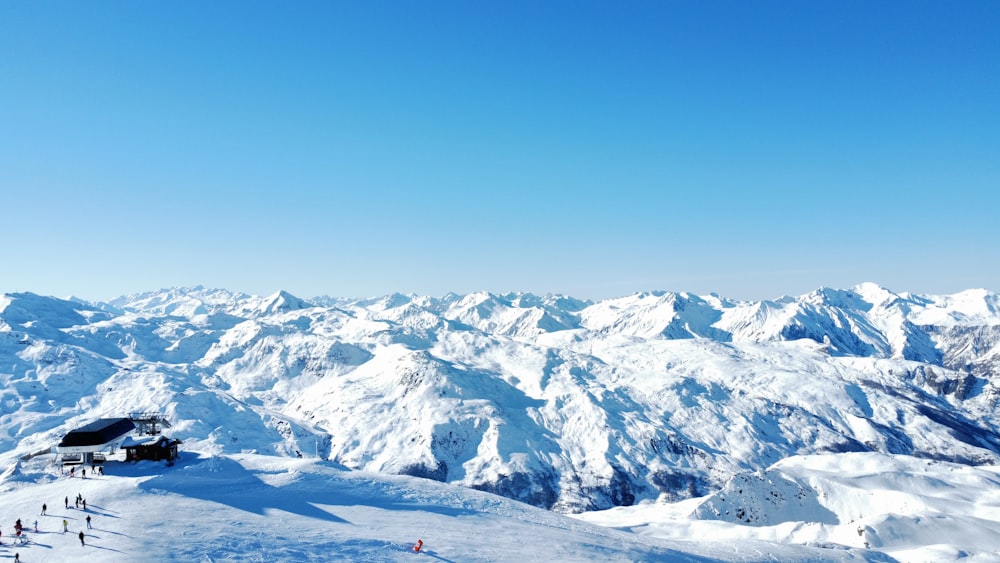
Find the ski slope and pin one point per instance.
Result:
(251, 507)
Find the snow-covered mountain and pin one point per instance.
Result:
(557, 402)
(878, 507)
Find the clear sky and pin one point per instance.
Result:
(753, 149)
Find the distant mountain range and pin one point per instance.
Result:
(559, 402)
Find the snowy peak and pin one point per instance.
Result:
(657, 315)
(21, 308)
(392, 301)
(874, 294)
(513, 314)
(971, 307)
(44, 317)
(283, 302)
(837, 298)
(184, 302)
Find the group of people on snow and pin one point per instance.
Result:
(94, 470)
(21, 537)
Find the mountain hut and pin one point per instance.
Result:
(153, 448)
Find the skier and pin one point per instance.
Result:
(67, 503)
(36, 526)
(420, 544)
(17, 558)
(44, 508)
(864, 532)
(65, 526)
(81, 538)
(84, 501)
(88, 522)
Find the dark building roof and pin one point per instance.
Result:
(99, 432)
(149, 442)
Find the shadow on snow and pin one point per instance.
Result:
(225, 481)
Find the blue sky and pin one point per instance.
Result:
(752, 149)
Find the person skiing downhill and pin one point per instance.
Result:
(81, 538)
(44, 508)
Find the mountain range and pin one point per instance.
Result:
(567, 404)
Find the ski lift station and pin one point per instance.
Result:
(89, 444)
(102, 435)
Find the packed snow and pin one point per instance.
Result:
(252, 507)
